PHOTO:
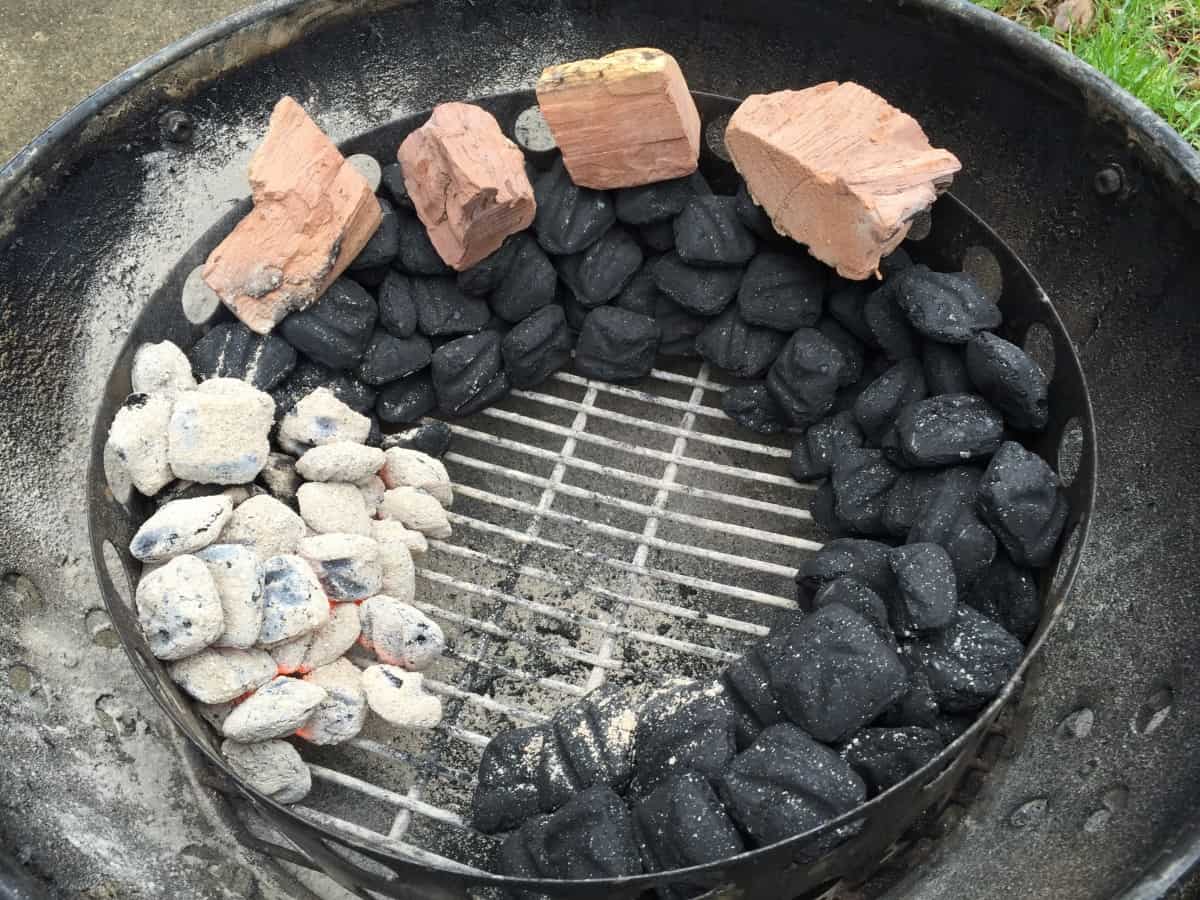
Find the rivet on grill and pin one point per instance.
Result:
(1109, 181)
(1029, 813)
(176, 126)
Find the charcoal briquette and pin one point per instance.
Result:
(485, 276)
(528, 284)
(599, 273)
(822, 443)
(927, 593)
(308, 376)
(569, 218)
(864, 560)
(742, 349)
(616, 345)
(823, 509)
(336, 329)
(505, 789)
(444, 311)
(1008, 594)
(468, 374)
(884, 757)
(917, 705)
(944, 306)
(888, 324)
(847, 304)
(683, 823)
(968, 661)
(429, 436)
(641, 294)
(416, 254)
(787, 784)
(575, 311)
(754, 216)
(895, 263)
(370, 278)
(858, 597)
(947, 429)
(784, 291)
(747, 683)
(583, 731)
(753, 407)
(709, 233)
(649, 204)
(1010, 380)
(945, 369)
(397, 308)
(407, 400)
(231, 350)
(381, 248)
(835, 674)
(659, 237)
(861, 481)
(852, 348)
(804, 377)
(537, 346)
(688, 728)
(949, 518)
(702, 291)
(392, 182)
(878, 405)
(907, 499)
(1021, 501)
(389, 358)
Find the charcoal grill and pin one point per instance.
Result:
(1117, 263)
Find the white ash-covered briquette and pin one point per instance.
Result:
(320, 647)
(341, 715)
(222, 674)
(347, 565)
(395, 556)
(416, 509)
(179, 608)
(399, 697)
(137, 439)
(219, 432)
(293, 602)
(399, 634)
(266, 524)
(321, 418)
(333, 508)
(340, 461)
(279, 475)
(412, 468)
(238, 575)
(275, 710)
(181, 526)
(273, 768)
(372, 490)
(161, 369)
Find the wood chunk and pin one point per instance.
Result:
(623, 120)
(467, 182)
(313, 212)
(837, 168)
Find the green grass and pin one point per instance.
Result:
(1149, 47)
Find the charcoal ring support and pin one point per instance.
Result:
(1032, 125)
(956, 232)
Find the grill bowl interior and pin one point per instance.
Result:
(584, 527)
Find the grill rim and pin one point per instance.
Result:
(944, 771)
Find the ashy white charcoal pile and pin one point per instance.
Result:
(263, 568)
(292, 521)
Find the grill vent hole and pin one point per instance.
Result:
(981, 264)
(714, 137)
(1070, 451)
(532, 133)
(1039, 344)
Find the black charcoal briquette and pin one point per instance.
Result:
(537, 346)
(753, 407)
(945, 369)
(927, 589)
(468, 374)
(590, 837)
(616, 345)
(429, 436)
(864, 560)
(732, 344)
(969, 661)
(861, 482)
(1010, 380)
(944, 306)
(678, 328)
(852, 348)
(858, 597)
(308, 376)
(1008, 594)
(1021, 501)
(823, 442)
(878, 405)
(886, 756)
(784, 291)
(709, 233)
(652, 203)
(688, 728)
(641, 293)
(747, 683)
(336, 329)
(231, 350)
(407, 400)
(804, 377)
(754, 216)
(416, 254)
(947, 429)
(384, 244)
(397, 308)
(520, 281)
(683, 823)
(908, 498)
(392, 182)
(895, 263)
(888, 324)
(949, 518)
(485, 276)
(659, 237)
(389, 358)
(599, 273)
(703, 291)
(823, 509)
(443, 310)
(569, 218)
(847, 304)
(505, 789)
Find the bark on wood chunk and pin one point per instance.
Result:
(837, 168)
(467, 182)
(313, 212)
(623, 120)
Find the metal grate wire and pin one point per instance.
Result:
(657, 544)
